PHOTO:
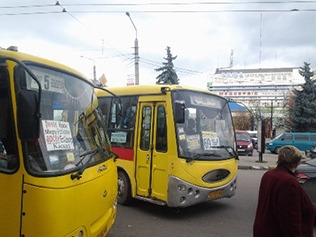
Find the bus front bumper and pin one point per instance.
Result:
(183, 194)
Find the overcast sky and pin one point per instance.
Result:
(202, 34)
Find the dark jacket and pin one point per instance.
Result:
(284, 209)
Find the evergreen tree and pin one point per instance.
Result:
(168, 75)
(302, 114)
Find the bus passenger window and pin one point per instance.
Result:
(8, 158)
(145, 129)
(128, 118)
(105, 105)
(161, 133)
(8, 153)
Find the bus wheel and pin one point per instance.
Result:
(124, 189)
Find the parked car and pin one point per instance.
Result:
(301, 140)
(254, 138)
(306, 175)
(244, 143)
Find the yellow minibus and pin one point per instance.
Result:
(176, 145)
(58, 175)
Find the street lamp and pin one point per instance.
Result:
(94, 70)
(136, 53)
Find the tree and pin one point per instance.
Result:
(242, 120)
(302, 113)
(168, 75)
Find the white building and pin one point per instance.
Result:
(264, 91)
(256, 87)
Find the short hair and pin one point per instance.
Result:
(289, 156)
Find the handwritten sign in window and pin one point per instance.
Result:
(57, 135)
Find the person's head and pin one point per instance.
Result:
(289, 156)
(191, 123)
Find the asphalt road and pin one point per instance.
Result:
(222, 218)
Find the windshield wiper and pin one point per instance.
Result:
(229, 149)
(214, 154)
(78, 174)
(189, 159)
(109, 151)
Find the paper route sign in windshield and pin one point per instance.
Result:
(57, 135)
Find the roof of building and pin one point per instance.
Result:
(254, 70)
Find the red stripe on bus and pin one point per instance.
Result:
(124, 153)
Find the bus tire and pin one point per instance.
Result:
(124, 189)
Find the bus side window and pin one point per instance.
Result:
(145, 129)
(128, 112)
(161, 133)
(128, 118)
(120, 124)
(105, 108)
(8, 157)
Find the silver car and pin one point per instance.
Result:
(306, 175)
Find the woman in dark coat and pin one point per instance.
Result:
(284, 209)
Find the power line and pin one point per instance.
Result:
(159, 4)
(154, 65)
(166, 11)
(143, 60)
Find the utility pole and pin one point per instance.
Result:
(136, 53)
(94, 69)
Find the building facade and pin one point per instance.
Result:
(256, 87)
(264, 91)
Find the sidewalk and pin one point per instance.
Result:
(252, 162)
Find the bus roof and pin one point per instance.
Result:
(146, 90)
(24, 57)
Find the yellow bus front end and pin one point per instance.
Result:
(61, 206)
(176, 144)
(57, 170)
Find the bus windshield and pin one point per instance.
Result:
(207, 132)
(72, 134)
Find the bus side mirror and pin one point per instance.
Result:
(179, 112)
(28, 114)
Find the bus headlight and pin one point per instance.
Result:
(182, 187)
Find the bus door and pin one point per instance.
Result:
(151, 161)
(10, 170)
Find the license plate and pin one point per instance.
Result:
(215, 194)
(240, 149)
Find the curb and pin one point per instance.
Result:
(255, 167)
